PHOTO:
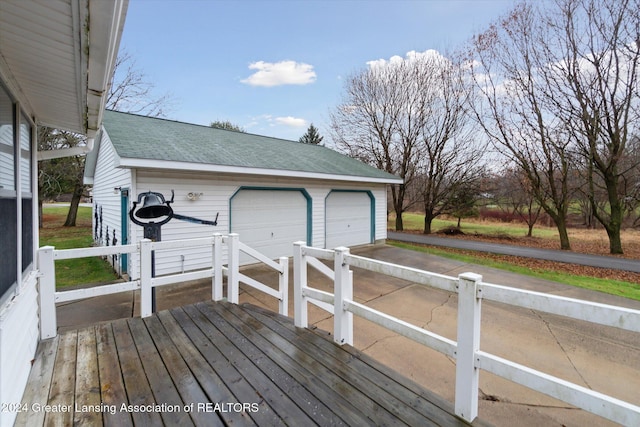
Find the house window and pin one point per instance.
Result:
(26, 193)
(7, 150)
(8, 196)
(25, 156)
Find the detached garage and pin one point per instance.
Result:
(270, 191)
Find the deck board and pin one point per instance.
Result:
(186, 383)
(383, 402)
(212, 384)
(220, 353)
(208, 359)
(429, 404)
(286, 400)
(289, 377)
(112, 388)
(135, 380)
(61, 393)
(37, 390)
(160, 381)
(87, 393)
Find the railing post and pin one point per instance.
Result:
(343, 290)
(300, 307)
(284, 286)
(233, 281)
(216, 285)
(146, 306)
(47, 293)
(467, 373)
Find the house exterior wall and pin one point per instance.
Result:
(19, 335)
(109, 182)
(19, 330)
(216, 191)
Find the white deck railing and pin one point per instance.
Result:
(470, 359)
(48, 295)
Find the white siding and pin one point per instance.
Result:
(106, 179)
(18, 341)
(216, 190)
(380, 195)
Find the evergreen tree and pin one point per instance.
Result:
(312, 136)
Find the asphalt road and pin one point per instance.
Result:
(523, 251)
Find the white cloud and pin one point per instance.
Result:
(291, 121)
(262, 122)
(410, 56)
(270, 74)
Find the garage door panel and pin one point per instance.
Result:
(269, 220)
(348, 219)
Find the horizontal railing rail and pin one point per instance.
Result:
(602, 314)
(466, 350)
(48, 296)
(235, 277)
(149, 283)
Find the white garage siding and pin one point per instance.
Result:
(269, 220)
(217, 191)
(107, 184)
(348, 218)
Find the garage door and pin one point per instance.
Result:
(348, 219)
(269, 220)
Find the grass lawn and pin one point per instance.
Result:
(414, 221)
(72, 272)
(613, 287)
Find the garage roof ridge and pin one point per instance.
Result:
(142, 141)
(180, 122)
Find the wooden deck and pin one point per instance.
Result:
(217, 364)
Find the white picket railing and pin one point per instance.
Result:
(470, 359)
(48, 295)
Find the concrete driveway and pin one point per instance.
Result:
(604, 359)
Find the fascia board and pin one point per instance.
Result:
(203, 167)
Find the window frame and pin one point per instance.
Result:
(19, 200)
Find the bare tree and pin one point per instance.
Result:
(631, 181)
(407, 117)
(513, 112)
(132, 92)
(60, 175)
(514, 195)
(593, 51)
(449, 158)
(129, 91)
(226, 125)
(562, 82)
(365, 126)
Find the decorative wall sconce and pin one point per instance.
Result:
(194, 196)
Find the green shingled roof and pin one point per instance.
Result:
(140, 137)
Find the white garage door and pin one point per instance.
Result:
(269, 220)
(347, 219)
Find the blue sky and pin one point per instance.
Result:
(274, 67)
